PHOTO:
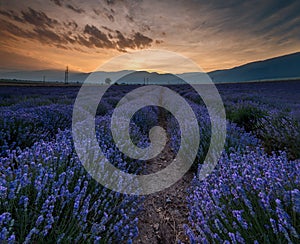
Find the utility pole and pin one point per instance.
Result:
(67, 75)
(146, 80)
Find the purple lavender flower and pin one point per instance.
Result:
(3, 192)
(296, 200)
(238, 215)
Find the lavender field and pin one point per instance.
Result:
(252, 196)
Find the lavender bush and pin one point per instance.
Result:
(47, 195)
(275, 126)
(253, 195)
(21, 127)
(250, 197)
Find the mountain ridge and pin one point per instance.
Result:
(282, 67)
(286, 66)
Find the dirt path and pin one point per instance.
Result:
(164, 212)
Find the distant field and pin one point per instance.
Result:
(285, 92)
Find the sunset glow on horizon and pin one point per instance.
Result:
(53, 34)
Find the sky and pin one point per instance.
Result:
(39, 35)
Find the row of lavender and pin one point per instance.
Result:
(30, 114)
(45, 193)
(253, 194)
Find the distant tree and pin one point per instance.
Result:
(107, 81)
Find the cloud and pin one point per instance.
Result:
(49, 37)
(11, 14)
(81, 40)
(104, 12)
(71, 25)
(43, 35)
(17, 61)
(142, 41)
(75, 9)
(97, 37)
(57, 2)
(138, 41)
(218, 34)
(31, 16)
(69, 6)
(110, 17)
(7, 27)
(256, 19)
(129, 18)
(110, 2)
(124, 42)
(51, 32)
(106, 28)
(68, 34)
(97, 11)
(38, 18)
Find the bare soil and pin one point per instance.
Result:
(164, 213)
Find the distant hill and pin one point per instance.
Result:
(144, 77)
(38, 75)
(283, 67)
(287, 66)
(127, 76)
(54, 75)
